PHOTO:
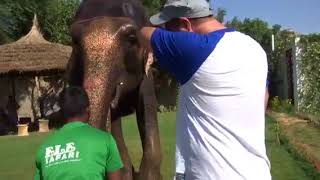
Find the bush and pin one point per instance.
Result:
(163, 109)
(309, 78)
(286, 106)
(275, 104)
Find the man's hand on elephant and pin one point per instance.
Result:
(150, 61)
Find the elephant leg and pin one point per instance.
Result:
(149, 131)
(116, 130)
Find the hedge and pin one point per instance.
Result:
(309, 75)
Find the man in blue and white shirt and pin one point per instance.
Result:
(222, 72)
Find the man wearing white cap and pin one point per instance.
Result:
(222, 72)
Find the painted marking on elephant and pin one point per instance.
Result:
(101, 49)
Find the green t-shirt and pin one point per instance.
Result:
(77, 151)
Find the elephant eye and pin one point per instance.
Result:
(132, 39)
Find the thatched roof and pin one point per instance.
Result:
(32, 53)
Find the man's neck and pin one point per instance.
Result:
(209, 26)
(77, 119)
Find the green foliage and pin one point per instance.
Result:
(283, 40)
(288, 106)
(309, 93)
(3, 37)
(310, 38)
(163, 109)
(279, 105)
(262, 33)
(275, 104)
(256, 28)
(220, 14)
(153, 6)
(54, 17)
(16, 16)
(57, 19)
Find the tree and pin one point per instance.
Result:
(57, 18)
(16, 16)
(3, 37)
(3, 33)
(310, 38)
(54, 18)
(235, 23)
(276, 29)
(153, 6)
(256, 28)
(221, 13)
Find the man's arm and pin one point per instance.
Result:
(37, 175)
(114, 175)
(146, 36)
(180, 53)
(114, 163)
(266, 99)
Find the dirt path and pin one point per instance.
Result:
(301, 135)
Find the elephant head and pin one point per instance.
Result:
(104, 48)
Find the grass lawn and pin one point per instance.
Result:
(18, 153)
(283, 165)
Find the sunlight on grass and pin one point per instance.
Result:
(283, 165)
(18, 153)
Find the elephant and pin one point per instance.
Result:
(110, 62)
(126, 82)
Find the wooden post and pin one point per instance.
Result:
(38, 86)
(13, 88)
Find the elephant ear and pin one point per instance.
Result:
(148, 63)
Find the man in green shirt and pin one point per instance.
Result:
(78, 151)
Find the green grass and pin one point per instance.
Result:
(18, 153)
(301, 138)
(283, 165)
(167, 137)
(306, 133)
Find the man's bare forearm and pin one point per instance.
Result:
(146, 33)
(114, 175)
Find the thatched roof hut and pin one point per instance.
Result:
(30, 69)
(32, 53)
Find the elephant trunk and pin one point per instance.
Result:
(99, 97)
(100, 51)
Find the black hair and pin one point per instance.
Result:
(73, 102)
